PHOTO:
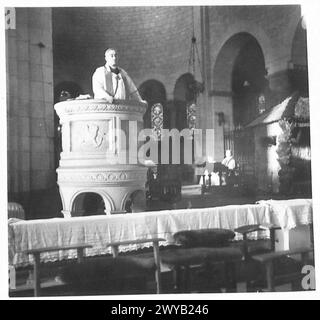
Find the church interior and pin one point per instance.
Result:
(209, 225)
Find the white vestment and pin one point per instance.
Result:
(229, 162)
(106, 84)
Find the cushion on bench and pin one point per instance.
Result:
(204, 238)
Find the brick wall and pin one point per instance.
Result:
(153, 42)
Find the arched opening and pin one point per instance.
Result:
(153, 91)
(298, 67)
(136, 202)
(88, 204)
(184, 95)
(248, 83)
(240, 93)
(239, 79)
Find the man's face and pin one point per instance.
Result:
(111, 58)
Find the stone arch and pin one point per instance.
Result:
(290, 32)
(153, 91)
(299, 45)
(151, 76)
(241, 27)
(87, 203)
(225, 58)
(240, 64)
(183, 94)
(298, 66)
(239, 79)
(128, 199)
(77, 203)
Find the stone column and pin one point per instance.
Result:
(29, 103)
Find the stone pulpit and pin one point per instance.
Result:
(95, 159)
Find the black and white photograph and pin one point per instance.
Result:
(158, 149)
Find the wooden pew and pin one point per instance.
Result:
(155, 243)
(36, 256)
(267, 260)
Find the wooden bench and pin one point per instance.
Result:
(245, 230)
(36, 256)
(156, 255)
(181, 259)
(204, 248)
(267, 260)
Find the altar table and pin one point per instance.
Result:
(97, 231)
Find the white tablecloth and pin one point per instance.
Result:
(290, 213)
(100, 230)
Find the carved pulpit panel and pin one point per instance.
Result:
(91, 136)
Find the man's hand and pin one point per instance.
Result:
(109, 99)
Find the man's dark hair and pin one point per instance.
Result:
(110, 49)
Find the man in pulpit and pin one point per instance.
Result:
(110, 82)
